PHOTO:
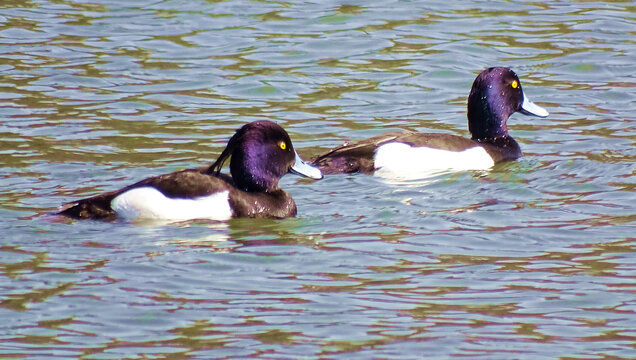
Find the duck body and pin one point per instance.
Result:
(261, 152)
(415, 152)
(495, 95)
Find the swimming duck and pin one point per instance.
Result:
(495, 95)
(261, 153)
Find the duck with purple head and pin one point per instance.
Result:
(495, 95)
(261, 153)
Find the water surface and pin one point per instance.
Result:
(533, 259)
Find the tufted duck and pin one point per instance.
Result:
(261, 153)
(495, 95)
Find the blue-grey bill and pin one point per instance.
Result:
(530, 108)
(302, 168)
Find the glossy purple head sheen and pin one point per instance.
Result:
(258, 158)
(259, 163)
(496, 94)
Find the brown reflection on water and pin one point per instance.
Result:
(360, 283)
(393, 24)
(273, 16)
(19, 302)
(21, 23)
(199, 335)
(343, 347)
(276, 336)
(428, 310)
(38, 264)
(612, 336)
(595, 260)
(408, 47)
(249, 67)
(436, 310)
(179, 302)
(370, 65)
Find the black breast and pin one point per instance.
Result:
(503, 148)
(274, 204)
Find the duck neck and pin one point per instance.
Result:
(250, 176)
(483, 122)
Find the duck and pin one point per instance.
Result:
(496, 94)
(260, 152)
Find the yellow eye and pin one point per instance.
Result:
(514, 84)
(282, 145)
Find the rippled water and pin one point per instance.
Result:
(534, 259)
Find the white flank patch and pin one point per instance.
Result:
(149, 203)
(400, 160)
